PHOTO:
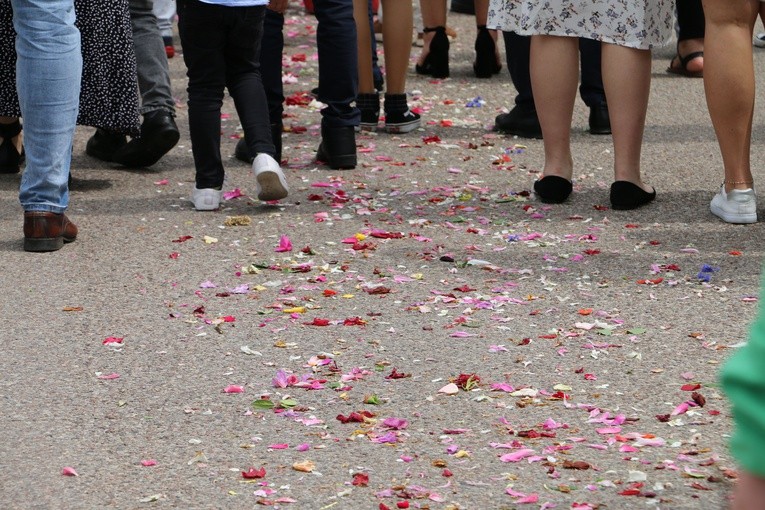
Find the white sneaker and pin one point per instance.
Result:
(759, 40)
(206, 199)
(737, 206)
(270, 183)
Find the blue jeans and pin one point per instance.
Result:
(48, 71)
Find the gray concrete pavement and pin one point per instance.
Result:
(455, 271)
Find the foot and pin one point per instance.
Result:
(159, 134)
(47, 231)
(206, 199)
(11, 148)
(626, 195)
(689, 60)
(521, 121)
(270, 183)
(735, 206)
(103, 144)
(600, 123)
(434, 58)
(553, 189)
(338, 147)
(242, 152)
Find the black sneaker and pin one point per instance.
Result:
(521, 121)
(369, 105)
(401, 122)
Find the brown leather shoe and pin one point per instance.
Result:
(47, 231)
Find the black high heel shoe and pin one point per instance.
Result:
(10, 157)
(552, 189)
(436, 62)
(485, 65)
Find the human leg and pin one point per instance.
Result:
(11, 148)
(48, 71)
(338, 81)
(627, 80)
(689, 60)
(368, 99)
(729, 87)
(242, 56)
(591, 88)
(397, 41)
(434, 57)
(554, 77)
(271, 49)
(159, 133)
(522, 119)
(487, 62)
(203, 39)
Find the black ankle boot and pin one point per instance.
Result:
(10, 157)
(159, 134)
(103, 144)
(398, 117)
(369, 104)
(485, 65)
(436, 63)
(242, 153)
(338, 147)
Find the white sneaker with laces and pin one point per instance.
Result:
(736, 206)
(206, 199)
(270, 183)
(759, 40)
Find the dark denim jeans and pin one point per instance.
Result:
(518, 48)
(221, 48)
(338, 64)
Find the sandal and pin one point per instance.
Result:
(682, 68)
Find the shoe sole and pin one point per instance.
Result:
(519, 134)
(164, 142)
(43, 244)
(271, 186)
(368, 126)
(402, 128)
(738, 219)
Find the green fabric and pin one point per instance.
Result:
(743, 379)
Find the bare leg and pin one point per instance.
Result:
(729, 83)
(627, 80)
(364, 44)
(554, 79)
(481, 17)
(433, 15)
(397, 42)
(749, 493)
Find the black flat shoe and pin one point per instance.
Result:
(626, 195)
(552, 189)
(10, 157)
(436, 62)
(485, 65)
(103, 144)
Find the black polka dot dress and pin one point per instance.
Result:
(109, 93)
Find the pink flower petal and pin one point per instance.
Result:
(69, 471)
(112, 340)
(148, 462)
(517, 456)
(233, 388)
(284, 244)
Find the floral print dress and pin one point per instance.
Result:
(641, 24)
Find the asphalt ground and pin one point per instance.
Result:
(581, 341)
